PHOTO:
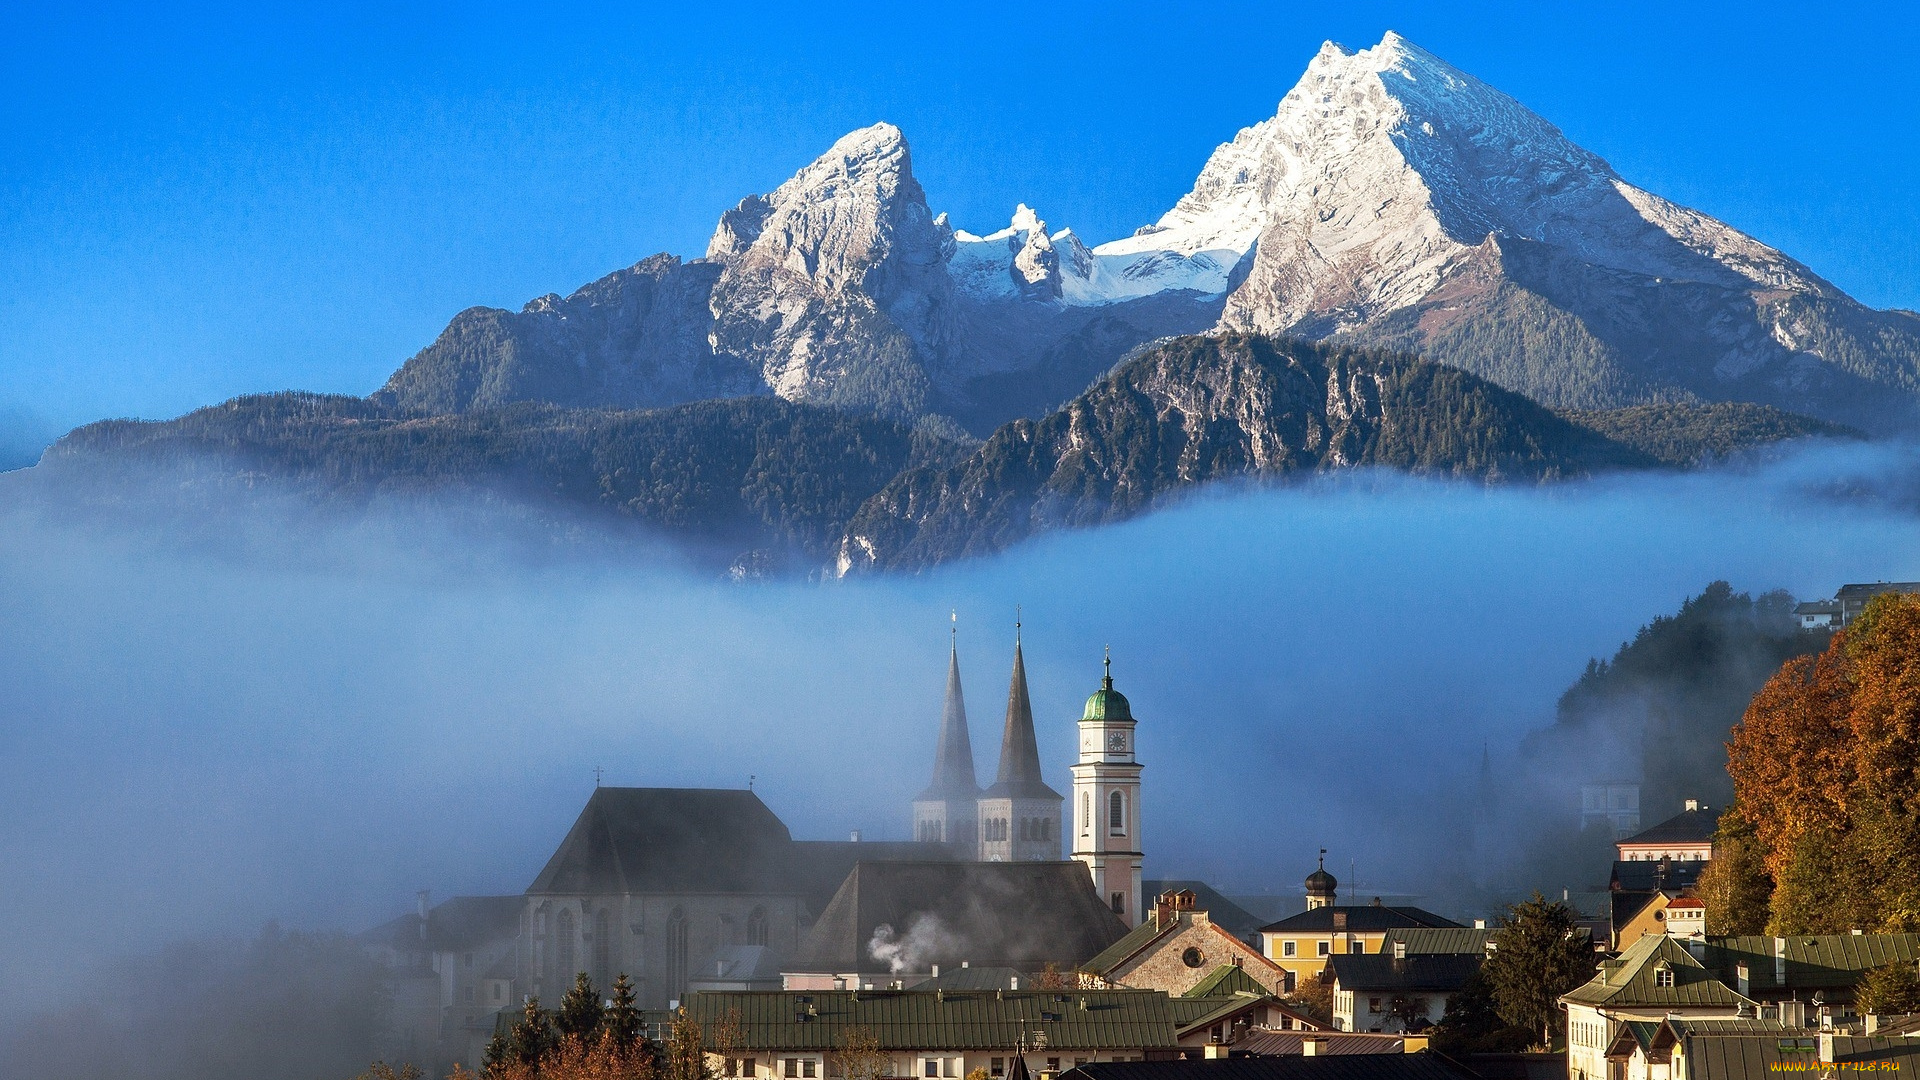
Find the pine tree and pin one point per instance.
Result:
(534, 1039)
(580, 1011)
(1539, 953)
(622, 1021)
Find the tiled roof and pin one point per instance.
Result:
(943, 1020)
(1685, 827)
(1278, 1043)
(1225, 979)
(1441, 939)
(1423, 1066)
(1814, 961)
(1436, 972)
(1632, 981)
(1361, 919)
(1023, 915)
(1132, 942)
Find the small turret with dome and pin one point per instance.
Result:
(1322, 887)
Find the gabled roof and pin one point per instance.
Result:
(661, 840)
(1685, 827)
(1190, 1014)
(1225, 914)
(1464, 940)
(1022, 915)
(1276, 1043)
(1223, 980)
(1334, 1066)
(1361, 919)
(1380, 972)
(1813, 961)
(942, 1020)
(455, 925)
(1632, 980)
(1130, 943)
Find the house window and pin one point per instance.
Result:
(1357, 945)
(1119, 903)
(1053, 1065)
(757, 927)
(499, 991)
(997, 1066)
(1663, 977)
(1289, 948)
(1116, 814)
(1325, 948)
(931, 1067)
(1373, 1004)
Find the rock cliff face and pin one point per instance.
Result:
(1391, 200)
(1200, 409)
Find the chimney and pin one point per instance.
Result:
(1399, 950)
(1013, 983)
(1479, 924)
(936, 971)
(719, 969)
(839, 982)
(1311, 1047)
(1793, 1013)
(1340, 921)
(1693, 804)
(963, 963)
(856, 836)
(1216, 1050)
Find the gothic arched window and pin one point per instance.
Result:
(602, 948)
(1117, 814)
(677, 936)
(757, 927)
(563, 969)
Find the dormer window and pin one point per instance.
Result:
(1663, 974)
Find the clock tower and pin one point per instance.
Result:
(1106, 800)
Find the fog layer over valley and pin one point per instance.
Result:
(277, 715)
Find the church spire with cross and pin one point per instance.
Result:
(948, 811)
(1019, 814)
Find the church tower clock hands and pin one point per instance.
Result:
(1106, 800)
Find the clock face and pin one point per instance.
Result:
(1116, 741)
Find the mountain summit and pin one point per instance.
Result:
(1391, 200)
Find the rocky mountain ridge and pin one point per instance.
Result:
(1392, 199)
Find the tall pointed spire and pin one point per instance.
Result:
(1019, 775)
(953, 775)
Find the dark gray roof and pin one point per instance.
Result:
(1361, 919)
(820, 867)
(1421, 1066)
(953, 776)
(660, 840)
(1019, 776)
(1861, 592)
(455, 925)
(1435, 972)
(995, 1021)
(1223, 912)
(1278, 1043)
(1011, 914)
(1685, 827)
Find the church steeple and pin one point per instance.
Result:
(1019, 814)
(953, 775)
(948, 811)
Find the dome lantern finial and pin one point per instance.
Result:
(1322, 887)
(1106, 680)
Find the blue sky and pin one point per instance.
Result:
(201, 201)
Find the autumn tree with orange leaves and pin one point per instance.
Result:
(1824, 832)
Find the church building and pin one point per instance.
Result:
(1019, 818)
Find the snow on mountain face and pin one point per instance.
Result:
(1383, 168)
(1023, 261)
(840, 251)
